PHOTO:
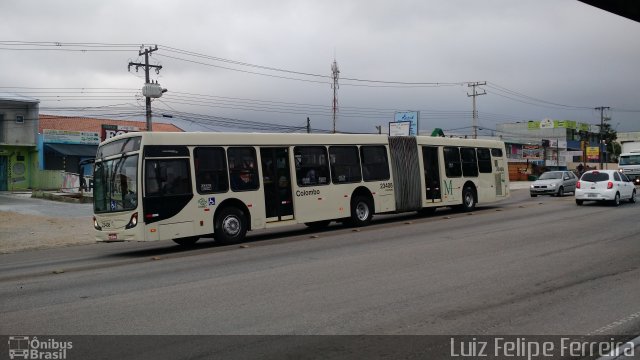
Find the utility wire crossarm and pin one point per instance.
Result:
(146, 67)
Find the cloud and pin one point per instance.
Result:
(563, 52)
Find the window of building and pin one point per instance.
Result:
(345, 164)
(19, 119)
(312, 165)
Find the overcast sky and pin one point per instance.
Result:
(247, 62)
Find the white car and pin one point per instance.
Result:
(605, 185)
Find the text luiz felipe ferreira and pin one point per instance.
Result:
(521, 347)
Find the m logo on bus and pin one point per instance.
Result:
(448, 189)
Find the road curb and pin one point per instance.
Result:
(70, 198)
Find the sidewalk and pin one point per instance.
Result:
(34, 223)
(517, 185)
(62, 196)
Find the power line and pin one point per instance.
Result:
(385, 83)
(100, 46)
(517, 96)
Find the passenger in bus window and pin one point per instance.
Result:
(311, 177)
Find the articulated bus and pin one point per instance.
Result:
(185, 186)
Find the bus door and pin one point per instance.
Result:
(501, 179)
(276, 177)
(431, 173)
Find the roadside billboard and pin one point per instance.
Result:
(400, 128)
(411, 117)
(593, 153)
(109, 131)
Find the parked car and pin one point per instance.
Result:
(554, 183)
(605, 185)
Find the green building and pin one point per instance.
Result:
(18, 141)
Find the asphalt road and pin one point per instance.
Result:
(524, 266)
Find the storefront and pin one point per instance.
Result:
(18, 129)
(15, 173)
(64, 149)
(65, 143)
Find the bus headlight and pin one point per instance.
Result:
(95, 224)
(133, 221)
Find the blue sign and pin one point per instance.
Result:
(212, 201)
(410, 116)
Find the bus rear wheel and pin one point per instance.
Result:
(361, 211)
(468, 199)
(230, 226)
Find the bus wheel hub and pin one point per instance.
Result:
(231, 225)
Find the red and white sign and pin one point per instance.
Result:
(109, 131)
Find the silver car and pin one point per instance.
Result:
(554, 183)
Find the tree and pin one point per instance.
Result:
(609, 135)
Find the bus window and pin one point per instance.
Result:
(115, 184)
(243, 171)
(211, 170)
(167, 177)
(375, 166)
(452, 161)
(312, 167)
(496, 152)
(469, 162)
(345, 164)
(484, 160)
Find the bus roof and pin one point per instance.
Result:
(268, 139)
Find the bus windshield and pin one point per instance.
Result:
(629, 160)
(115, 184)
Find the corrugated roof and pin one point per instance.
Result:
(74, 123)
(15, 97)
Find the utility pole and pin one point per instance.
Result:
(475, 113)
(308, 125)
(335, 74)
(379, 128)
(600, 154)
(146, 67)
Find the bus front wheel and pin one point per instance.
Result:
(230, 226)
(361, 211)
